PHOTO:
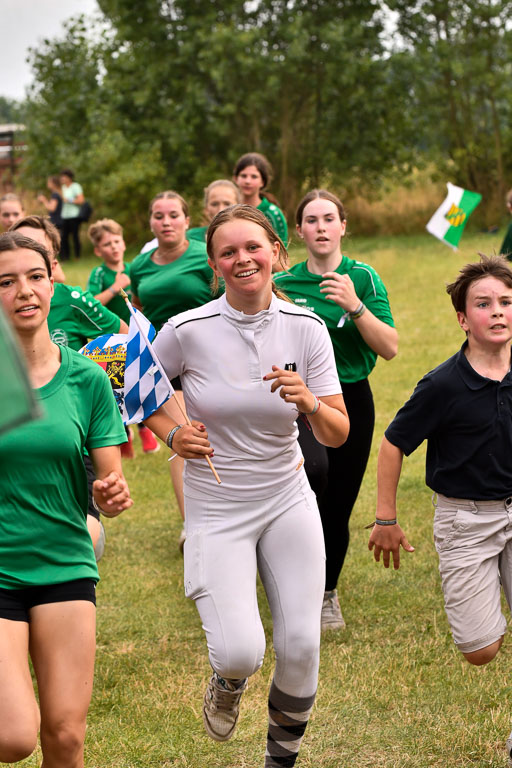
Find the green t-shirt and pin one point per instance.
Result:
(197, 233)
(76, 316)
(165, 290)
(355, 360)
(43, 483)
(276, 218)
(102, 278)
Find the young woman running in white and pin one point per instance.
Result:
(231, 355)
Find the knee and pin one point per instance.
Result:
(300, 652)
(239, 660)
(63, 740)
(483, 655)
(17, 747)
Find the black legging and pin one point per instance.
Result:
(70, 227)
(336, 474)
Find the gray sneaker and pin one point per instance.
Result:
(221, 706)
(331, 612)
(509, 749)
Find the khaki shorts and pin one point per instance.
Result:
(474, 542)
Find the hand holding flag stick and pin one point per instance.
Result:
(162, 371)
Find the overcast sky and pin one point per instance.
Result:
(23, 23)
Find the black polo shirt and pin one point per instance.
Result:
(467, 421)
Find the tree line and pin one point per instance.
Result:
(168, 93)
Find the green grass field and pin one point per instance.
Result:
(393, 691)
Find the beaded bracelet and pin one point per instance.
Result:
(171, 434)
(315, 409)
(357, 313)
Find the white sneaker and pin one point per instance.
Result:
(509, 750)
(221, 707)
(331, 612)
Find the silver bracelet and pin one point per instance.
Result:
(97, 508)
(171, 434)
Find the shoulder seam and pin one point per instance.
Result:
(194, 319)
(300, 314)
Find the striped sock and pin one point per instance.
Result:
(287, 720)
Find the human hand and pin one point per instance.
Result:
(291, 388)
(340, 289)
(388, 539)
(112, 494)
(122, 280)
(191, 441)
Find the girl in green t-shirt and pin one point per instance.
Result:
(48, 570)
(252, 173)
(352, 300)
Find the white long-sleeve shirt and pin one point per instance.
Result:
(221, 356)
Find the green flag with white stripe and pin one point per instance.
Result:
(449, 220)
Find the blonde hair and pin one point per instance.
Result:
(169, 194)
(98, 229)
(247, 213)
(222, 183)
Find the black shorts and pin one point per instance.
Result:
(91, 477)
(15, 604)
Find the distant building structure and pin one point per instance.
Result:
(12, 145)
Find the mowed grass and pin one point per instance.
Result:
(393, 691)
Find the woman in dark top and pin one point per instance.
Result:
(54, 204)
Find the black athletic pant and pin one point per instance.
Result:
(336, 474)
(70, 228)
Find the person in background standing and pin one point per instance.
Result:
(73, 197)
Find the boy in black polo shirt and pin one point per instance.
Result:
(463, 409)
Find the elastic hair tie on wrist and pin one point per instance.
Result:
(315, 408)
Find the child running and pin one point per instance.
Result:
(105, 283)
(463, 408)
(231, 355)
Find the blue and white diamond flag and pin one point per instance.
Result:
(145, 389)
(138, 385)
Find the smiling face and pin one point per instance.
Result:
(321, 228)
(487, 318)
(219, 198)
(250, 182)
(243, 256)
(25, 289)
(168, 222)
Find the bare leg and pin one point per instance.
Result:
(62, 647)
(484, 655)
(93, 526)
(19, 714)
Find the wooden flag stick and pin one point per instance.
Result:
(162, 371)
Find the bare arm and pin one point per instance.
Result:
(110, 489)
(379, 336)
(388, 538)
(190, 442)
(330, 423)
(50, 205)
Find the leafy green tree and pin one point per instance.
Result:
(458, 55)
